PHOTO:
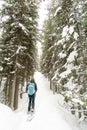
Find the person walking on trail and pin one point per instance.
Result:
(31, 89)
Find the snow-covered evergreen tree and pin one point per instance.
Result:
(18, 44)
(65, 59)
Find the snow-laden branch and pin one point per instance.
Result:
(23, 28)
(19, 65)
(57, 10)
(62, 55)
(20, 48)
(77, 101)
(17, 24)
(72, 56)
(68, 31)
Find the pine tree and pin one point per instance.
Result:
(66, 60)
(18, 42)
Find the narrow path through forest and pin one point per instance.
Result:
(48, 113)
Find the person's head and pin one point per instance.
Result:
(31, 79)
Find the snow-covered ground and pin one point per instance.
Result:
(48, 113)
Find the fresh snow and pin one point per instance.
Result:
(20, 48)
(50, 113)
(57, 10)
(77, 101)
(76, 35)
(67, 31)
(71, 29)
(23, 28)
(62, 54)
(72, 56)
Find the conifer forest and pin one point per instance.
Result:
(64, 49)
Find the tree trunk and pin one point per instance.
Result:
(10, 90)
(22, 84)
(13, 92)
(0, 80)
(16, 94)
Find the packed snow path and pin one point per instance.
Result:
(48, 114)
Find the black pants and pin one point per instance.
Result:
(31, 103)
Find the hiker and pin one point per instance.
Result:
(31, 89)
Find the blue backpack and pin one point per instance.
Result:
(31, 88)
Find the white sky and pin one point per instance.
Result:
(49, 115)
(42, 12)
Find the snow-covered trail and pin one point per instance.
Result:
(48, 115)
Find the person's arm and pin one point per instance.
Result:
(27, 88)
(35, 87)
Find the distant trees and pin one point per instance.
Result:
(17, 45)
